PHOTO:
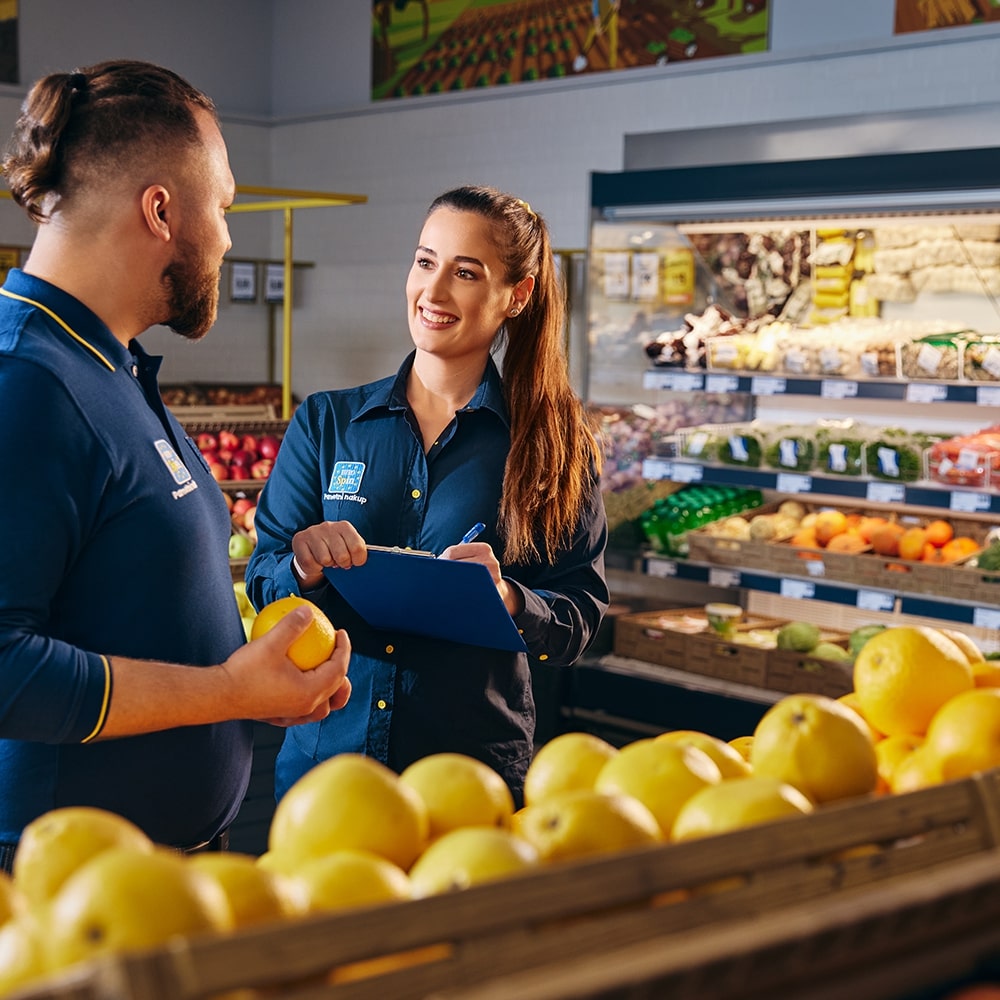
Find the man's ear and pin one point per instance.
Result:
(155, 211)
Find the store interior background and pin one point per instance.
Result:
(291, 79)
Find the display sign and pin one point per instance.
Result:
(419, 47)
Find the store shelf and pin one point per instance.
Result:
(919, 494)
(770, 384)
(863, 598)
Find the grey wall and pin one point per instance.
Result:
(291, 78)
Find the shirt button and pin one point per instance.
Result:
(544, 656)
(415, 494)
(381, 703)
(390, 649)
(135, 371)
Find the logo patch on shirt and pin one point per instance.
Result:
(346, 477)
(174, 465)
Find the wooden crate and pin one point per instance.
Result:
(546, 923)
(804, 673)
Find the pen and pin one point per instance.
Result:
(472, 533)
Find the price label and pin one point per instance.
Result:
(721, 383)
(657, 468)
(988, 395)
(686, 472)
(968, 501)
(797, 588)
(885, 492)
(767, 385)
(815, 567)
(661, 567)
(838, 388)
(875, 600)
(673, 381)
(921, 392)
(724, 577)
(986, 617)
(789, 482)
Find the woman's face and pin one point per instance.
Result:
(457, 294)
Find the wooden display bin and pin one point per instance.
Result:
(719, 915)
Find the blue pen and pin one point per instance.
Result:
(472, 533)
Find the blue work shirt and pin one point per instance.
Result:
(115, 543)
(358, 455)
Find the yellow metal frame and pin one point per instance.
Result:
(285, 200)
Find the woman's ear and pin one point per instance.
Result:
(522, 292)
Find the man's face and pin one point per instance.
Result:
(191, 280)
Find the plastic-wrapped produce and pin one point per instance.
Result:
(937, 356)
(897, 454)
(790, 448)
(981, 358)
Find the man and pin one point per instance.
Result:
(125, 680)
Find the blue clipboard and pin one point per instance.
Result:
(405, 591)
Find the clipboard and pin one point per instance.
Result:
(414, 592)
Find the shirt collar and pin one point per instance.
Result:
(391, 393)
(81, 320)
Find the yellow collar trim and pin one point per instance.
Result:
(48, 312)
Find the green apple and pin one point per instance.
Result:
(240, 546)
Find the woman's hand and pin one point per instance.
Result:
(329, 543)
(482, 552)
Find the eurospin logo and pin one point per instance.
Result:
(345, 482)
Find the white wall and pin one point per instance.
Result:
(315, 129)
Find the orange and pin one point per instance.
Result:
(911, 543)
(310, 649)
(847, 541)
(885, 538)
(904, 674)
(817, 745)
(868, 525)
(889, 753)
(804, 538)
(828, 524)
(964, 735)
(939, 533)
(960, 547)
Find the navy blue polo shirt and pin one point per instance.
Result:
(115, 543)
(357, 455)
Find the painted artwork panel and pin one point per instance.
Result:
(925, 15)
(439, 46)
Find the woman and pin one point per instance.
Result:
(412, 461)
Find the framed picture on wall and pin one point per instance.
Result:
(274, 283)
(243, 281)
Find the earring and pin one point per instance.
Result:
(514, 311)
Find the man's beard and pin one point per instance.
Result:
(193, 290)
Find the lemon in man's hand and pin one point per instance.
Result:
(312, 647)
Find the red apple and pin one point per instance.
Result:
(228, 439)
(248, 518)
(211, 456)
(206, 441)
(267, 446)
(248, 441)
(240, 506)
(242, 459)
(225, 455)
(219, 471)
(261, 469)
(229, 501)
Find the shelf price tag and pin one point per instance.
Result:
(767, 385)
(722, 383)
(986, 617)
(968, 501)
(724, 577)
(875, 600)
(815, 567)
(885, 492)
(838, 388)
(797, 588)
(661, 567)
(686, 472)
(790, 482)
(657, 468)
(674, 381)
(988, 395)
(922, 392)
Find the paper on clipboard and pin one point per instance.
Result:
(406, 591)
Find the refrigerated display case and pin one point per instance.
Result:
(850, 301)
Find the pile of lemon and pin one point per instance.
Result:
(351, 832)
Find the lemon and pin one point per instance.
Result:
(966, 644)
(904, 674)
(23, 956)
(255, 895)
(314, 646)
(964, 734)
(55, 844)
(583, 822)
(818, 745)
(125, 900)
(889, 753)
(350, 801)
(347, 878)
(661, 774)
(469, 856)
(733, 805)
(459, 791)
(742, 745)
(730, 761)
(567, 761)
(917, 769)
(12, 900)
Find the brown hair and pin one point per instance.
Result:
(96, 119)
(554, 453)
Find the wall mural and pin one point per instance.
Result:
(435, 46)
(921, 15)
(9, 72)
